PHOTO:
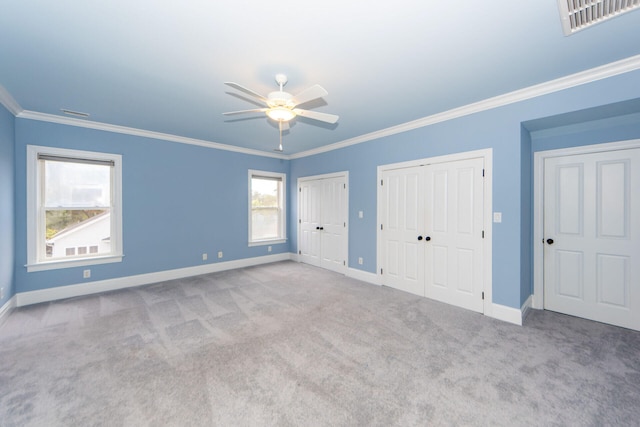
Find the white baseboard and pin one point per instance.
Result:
(70, 291)
(364, 276)
(506, 314)
(526, 307)
(6, 308)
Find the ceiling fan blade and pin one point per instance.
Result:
(315, 115)
(309, 94)
(246, 90)
(253, 110)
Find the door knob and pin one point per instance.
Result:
(321, 228)
(550, 241)
(317, 228)
(427, 238)
(419, 237)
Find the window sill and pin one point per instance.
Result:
(267, 242)
(76, 262)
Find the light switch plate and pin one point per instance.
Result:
(497, 217)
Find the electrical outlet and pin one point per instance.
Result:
(360, 261)
(204, 257)
(269, 249)
(86, 274)
(220, 254)
(1, 293)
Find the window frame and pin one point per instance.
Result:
(283, 207)
(35, 221)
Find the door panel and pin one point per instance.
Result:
(322, 213)
(454, 222)
(591, 269)
(402, 252)
(309, 221)
(443, 203)
(333, 223)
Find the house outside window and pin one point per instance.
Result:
(73, 208)
(267, 210)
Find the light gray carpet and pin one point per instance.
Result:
(288, 344)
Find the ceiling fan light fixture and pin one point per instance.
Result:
(280, 114)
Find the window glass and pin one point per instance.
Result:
(74, 210)
(267, 207)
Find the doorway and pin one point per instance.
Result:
(322, 221)
(434, 236)
(587, 232)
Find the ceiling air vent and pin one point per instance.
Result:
(579, 14)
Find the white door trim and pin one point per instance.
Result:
(487, 155)
(342, 174)
(538, 205)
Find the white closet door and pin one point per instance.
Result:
(592, 236)
(403, 223)
(454, 226)
(323, 222)
(333, 224)
(309, 214)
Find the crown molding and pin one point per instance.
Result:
(605, 71)
(70, 121)
(10, 104)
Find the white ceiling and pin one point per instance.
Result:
(159, 65)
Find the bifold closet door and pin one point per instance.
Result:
(432, 231)
(592, 236)
(402, 229)
(454, 196)
(323, 216)
(309, 214)
(333, 224)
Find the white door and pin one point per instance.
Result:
(402, 225)
(323, 222)
(592, 236)
(333, 224)
(432, 230)
(454, 229)
(309, 215)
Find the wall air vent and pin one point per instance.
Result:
(579, 14)
(78, 113)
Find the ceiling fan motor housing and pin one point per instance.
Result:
(280, 99)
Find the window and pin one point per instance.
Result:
(266, 207)
(73, 208)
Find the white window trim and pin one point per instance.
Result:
(266, 174)
(33, 202)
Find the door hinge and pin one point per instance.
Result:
(381, 272)
(381, 182)
(344, 262)
(344, 224)
(483, 295)
(300, 221)
(483, 234)
(299, 252)
(300, 189)
(482, 172)
(381, 227)
(344, 186)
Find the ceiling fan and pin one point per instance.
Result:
(281, 106)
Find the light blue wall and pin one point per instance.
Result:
(182, 200)
(179, 201)
(526, 216)
(7, 172)
(499, 128)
